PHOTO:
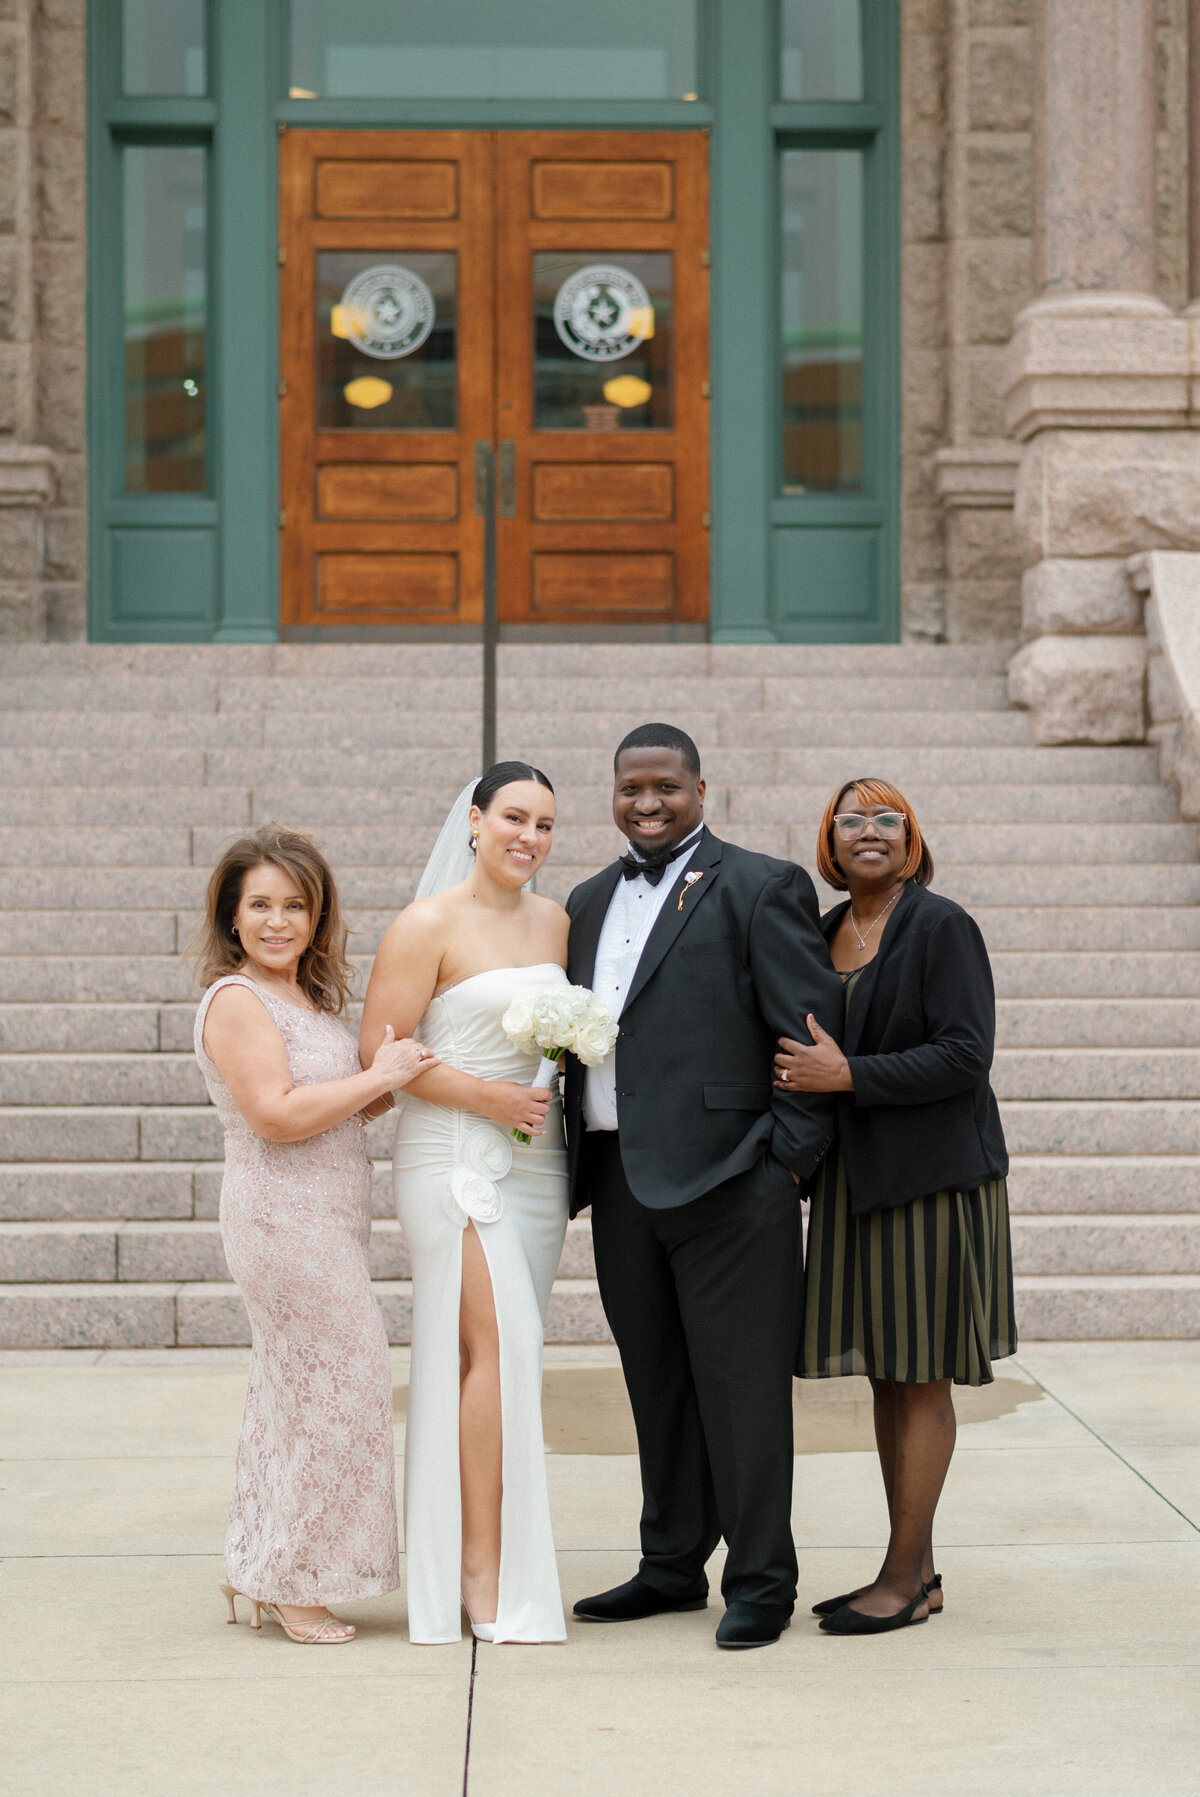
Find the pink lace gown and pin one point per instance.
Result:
(313, 1517)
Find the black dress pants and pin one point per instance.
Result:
(703, 1301)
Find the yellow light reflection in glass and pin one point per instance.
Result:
(337, 322)
(367, 392)
(641, 321)
(627, 390)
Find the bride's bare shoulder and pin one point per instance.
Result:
(420, 925)
(550, 915)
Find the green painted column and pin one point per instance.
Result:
(743, 299)
(247, 66)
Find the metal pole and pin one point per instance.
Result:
(485, 508)
(1193, 88)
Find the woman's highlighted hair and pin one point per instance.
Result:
(324, 972)
(918, 863)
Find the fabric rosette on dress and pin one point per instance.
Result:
(473, 1193)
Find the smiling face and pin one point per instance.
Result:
(870, 863)
(513, 835)
(273, 920)
(657, 800)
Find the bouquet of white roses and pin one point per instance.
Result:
(555, 1021)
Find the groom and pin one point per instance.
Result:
(690, 1161)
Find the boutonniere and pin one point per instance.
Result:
(689, 880)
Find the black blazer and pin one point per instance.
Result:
(734, 961)
(919, 1037)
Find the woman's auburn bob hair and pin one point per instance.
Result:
(918, 863)
(324, 973)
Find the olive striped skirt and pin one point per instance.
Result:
(920, 1291)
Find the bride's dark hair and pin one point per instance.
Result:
(504, 773)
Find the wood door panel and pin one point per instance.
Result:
(374, 526)
(603, 585)
(575, 492)
(602, 190)
(408, 492)
(377, 520)
(375, 586)
(611, 523)
(401, 190)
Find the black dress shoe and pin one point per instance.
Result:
(856, 1622)
(633, 1602)
(752, 1625)
(832, 1605)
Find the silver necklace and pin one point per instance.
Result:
(862, 940)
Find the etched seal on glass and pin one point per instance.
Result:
(603, 312)
(387, 311)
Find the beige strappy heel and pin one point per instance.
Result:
(316, 1633)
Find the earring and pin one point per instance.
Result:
(474, 844)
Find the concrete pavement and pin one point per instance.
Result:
(1067, 1660)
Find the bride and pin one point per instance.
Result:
(484, 1215)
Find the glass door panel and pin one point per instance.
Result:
(821, 317)
(602, 341)
(165, 281)
(385, 340)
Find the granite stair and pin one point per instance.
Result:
(123, 771)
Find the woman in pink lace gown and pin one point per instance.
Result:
(313, 1517)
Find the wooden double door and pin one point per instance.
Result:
(544, 293)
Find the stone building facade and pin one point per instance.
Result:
(996, 162)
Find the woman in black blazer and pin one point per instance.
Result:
(908, 1277)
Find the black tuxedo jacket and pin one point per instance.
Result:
(919, 1037)
(734, 961)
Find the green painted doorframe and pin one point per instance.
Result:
(760, 539)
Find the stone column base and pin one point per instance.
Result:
(27, 481)
(1082, 689)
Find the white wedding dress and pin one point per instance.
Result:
(450, 1166)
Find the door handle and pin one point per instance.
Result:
(484, 474)
(508, 478)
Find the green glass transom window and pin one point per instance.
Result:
(821, 315)
(162, 47)
(506, 49)
(165, 232)
(821, 50)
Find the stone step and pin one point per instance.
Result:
(974, 885)
(573, 768)
(451, 728)
(200, 1314)
(1094, 1073)
(1087, 1022)
(133, 1028)
(103, 1079)
(582, 848)
(661, 696)
(1088, 1183)
(364, 661)
(1141, 1127)
(1062, 928)
(112, 1133)
(109, 979)
(1098, 1307)
(1118, 973)
(93, 933)
(1104, 1244)
(156, 1252)
(1073, 1307)
(193, 1133)
(178, 888)
(71, 1252)
(54, 1191)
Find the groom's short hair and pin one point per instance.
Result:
(661, 736)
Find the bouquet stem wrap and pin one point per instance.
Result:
(542, 1081)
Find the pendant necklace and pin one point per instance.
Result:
(861, 939)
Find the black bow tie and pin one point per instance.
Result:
(652, 867)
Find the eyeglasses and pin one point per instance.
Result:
(851, 824)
